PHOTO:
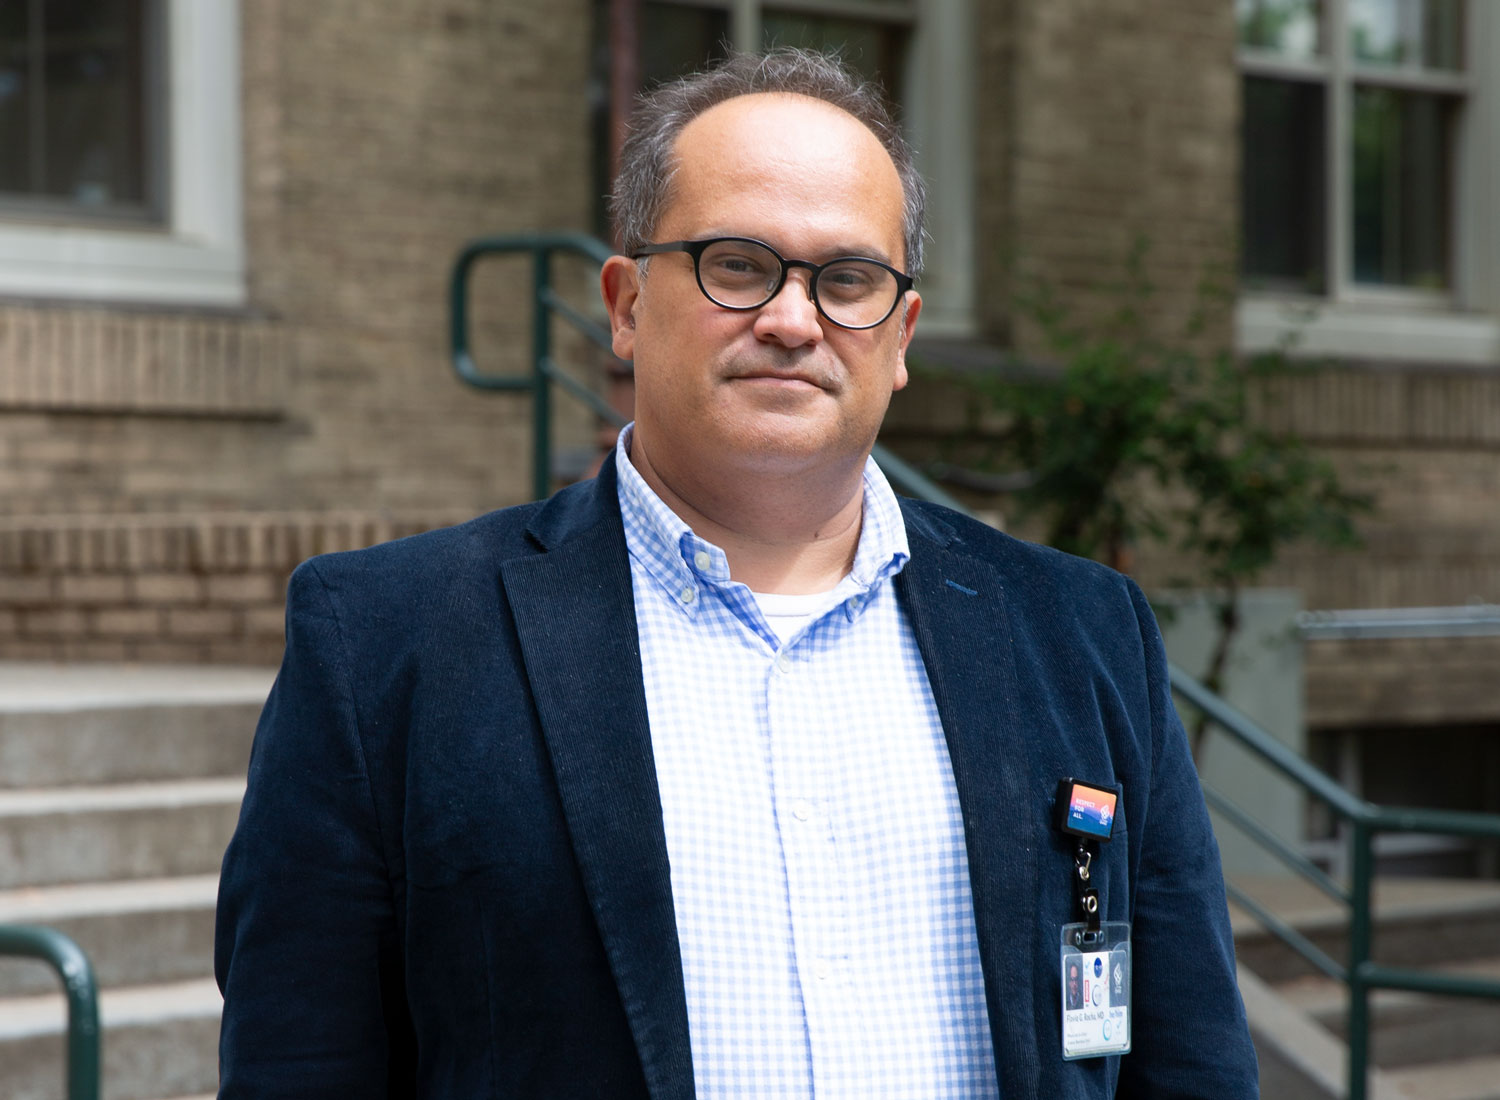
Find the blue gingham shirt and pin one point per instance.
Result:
(819, 875)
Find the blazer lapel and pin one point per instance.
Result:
(575, 615)
(957, 609)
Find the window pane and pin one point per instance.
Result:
(95, 109)
(74, 106)
(676, 41)
(1291, 27)
(874, 50)
(1403, 150)
(16, 99)
(1408, 32)
(1282, 185)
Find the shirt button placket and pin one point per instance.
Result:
(813, 879)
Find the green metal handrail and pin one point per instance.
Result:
(1361, 974)
(77, 975)
(547, 303)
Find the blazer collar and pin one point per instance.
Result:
(586, 682)
(958, 611)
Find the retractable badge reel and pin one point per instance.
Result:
(1095, 953)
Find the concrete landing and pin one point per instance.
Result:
(41, 686)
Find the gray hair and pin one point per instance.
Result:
(647, 161)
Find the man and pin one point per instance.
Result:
(723, 774)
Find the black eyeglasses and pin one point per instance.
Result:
(744, 274)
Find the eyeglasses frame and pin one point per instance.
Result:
(695, 249)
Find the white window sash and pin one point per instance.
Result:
(1391, 323)
(198, 257)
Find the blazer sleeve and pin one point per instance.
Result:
(306, 950)
(1189, 1037)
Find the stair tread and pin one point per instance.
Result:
(120, 796)
(1468, 1079)
(46, 1013)
(1319, 993)
(1395, 899)
(50, 904)
(27, 686)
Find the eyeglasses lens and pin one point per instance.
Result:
(744, 275)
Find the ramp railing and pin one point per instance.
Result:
(77, 974)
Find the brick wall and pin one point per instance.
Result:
(1104, 123)
(151, 588)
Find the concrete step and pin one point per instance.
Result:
(1419, 922)
(134, 932)
(1299, 1058)
(1466, 1079)
(123, 831)
(159, 1041)
(1410, 1029)
(63, 725)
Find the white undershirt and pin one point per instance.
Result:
(789, 614)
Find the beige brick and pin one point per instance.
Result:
(167, 588)
(25, 590)
(95, 649)
(27, 649)
(265, 622)
(244, 651)
(60, 623)
(241, 588)
(173, 651)
(206, 622)
(127, 622)
(93, 589)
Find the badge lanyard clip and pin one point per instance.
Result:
(1086, 812)
(1088, 896)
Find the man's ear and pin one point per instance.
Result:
(910, 308)
(620, 285)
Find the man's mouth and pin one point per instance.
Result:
(789, 377)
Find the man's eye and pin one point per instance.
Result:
(736, 268)
(848, 280)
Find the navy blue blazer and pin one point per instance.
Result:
(450, 879)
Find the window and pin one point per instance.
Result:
(80, 118)
(918, 52)
(1363, 178)
(111, 187)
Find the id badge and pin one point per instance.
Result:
(1095, 990)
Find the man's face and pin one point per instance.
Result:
(778, 389)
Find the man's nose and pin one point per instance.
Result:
(791, 318)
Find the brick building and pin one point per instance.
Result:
(223, 302)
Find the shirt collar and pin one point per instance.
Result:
(681, 562)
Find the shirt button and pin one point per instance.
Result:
(702, 560)
(823, 970)
(783, 662)
(687, 593)
(802, 810)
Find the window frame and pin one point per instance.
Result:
(197, 256)
(1455, 325)
(939, 119)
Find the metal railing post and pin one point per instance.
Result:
(541, 355)
(77, 974)
(1361, 924)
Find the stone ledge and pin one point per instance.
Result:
(94, 359)
(156, 543)
(161, 588)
